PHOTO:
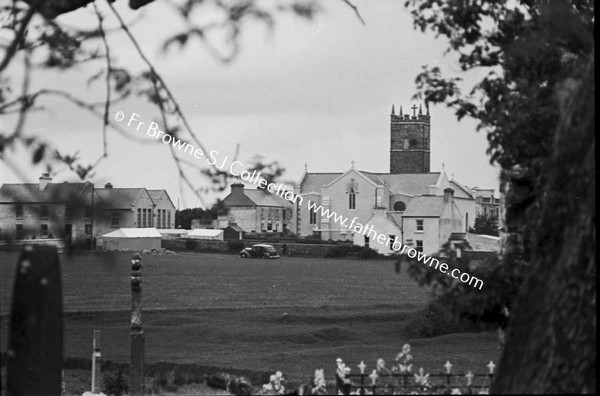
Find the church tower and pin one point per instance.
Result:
(409, 141)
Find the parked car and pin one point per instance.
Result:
(260, 251)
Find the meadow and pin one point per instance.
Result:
(291, 314)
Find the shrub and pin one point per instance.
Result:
(235, 246)
(367, 253)
(337, 251)
(115, 383)
(191, 244)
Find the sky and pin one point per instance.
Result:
(314, 94)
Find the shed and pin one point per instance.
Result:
(199, 233)
(233, 232)
(132, 239)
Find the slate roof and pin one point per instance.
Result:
(478, 242)
(155, 195)
(238, 200)
(234, 227)
(53, 193)
(313, 182)
(118, 198)
(425, 206)
(461, 191)
(410, 183)
(254, 197)
(262, 198)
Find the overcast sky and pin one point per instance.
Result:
(316, 93)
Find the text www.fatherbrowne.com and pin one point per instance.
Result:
(235, 168)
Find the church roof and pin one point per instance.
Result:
(410, 183)
(156, 196)
(425, 206)
(313, 182)
(461, 191)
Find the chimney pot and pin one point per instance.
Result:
(44, 180)
(108, 185)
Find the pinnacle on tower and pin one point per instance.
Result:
(401, 115)
(420, 110)
(393, 110)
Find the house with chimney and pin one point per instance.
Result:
(255, 210)
(79, 210)
(46, 210)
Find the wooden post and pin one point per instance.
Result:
(96, 364)
(137, 333)
(35, 348)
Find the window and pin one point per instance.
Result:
(169, 219)
(313, 216)
(18, 211)
(262, 226)
(114, 219)
(269, 226)
(19, 229)
(44, 230)
(366, 241)
(392, 239)
(399, 206)
(406, 147)
(262, 213)
(139, 218)
(420, 226)
(351, 190)
(143, 217)
(164, 218)
(276, 227)
(43, 211)
(276, 214)
(87, 229)
(351, 200)
(419, 247)
(87, 212)
(68, 212)
(158, 223)
(150, 218)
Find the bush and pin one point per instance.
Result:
(367, 253)
(115, 383)
(191, 244)
(337, 251)
(235, 246)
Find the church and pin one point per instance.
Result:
(410, 204)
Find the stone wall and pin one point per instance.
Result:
(295, 249)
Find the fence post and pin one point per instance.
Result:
(35, 350)
(137, 333)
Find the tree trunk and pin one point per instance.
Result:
(551, 342)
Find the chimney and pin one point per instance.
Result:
(108, 185)
(44, 181)
(448, 194)
(237, 189)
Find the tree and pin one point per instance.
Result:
(539, 86)
(183, 218)
(485, 225)
(41, 42)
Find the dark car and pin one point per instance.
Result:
(260, 251)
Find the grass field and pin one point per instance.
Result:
(292, 314)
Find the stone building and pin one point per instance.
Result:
(78, 210)
(409, 190)
(488, 203)
(46, 210)
(255, 210)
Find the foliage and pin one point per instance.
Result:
(529, 50)
(485, 225)
(115, 383)
(191, 244)
(235, 246)
(364, 252)
(183, 218)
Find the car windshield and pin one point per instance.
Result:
(271, 249)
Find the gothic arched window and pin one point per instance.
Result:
(405, 142)
(399, 206)
(352, 189)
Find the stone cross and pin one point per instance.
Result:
(469, 377)
(374, 377)
(362, 367)
(414, 109)
(491, 366)
(448, 367)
